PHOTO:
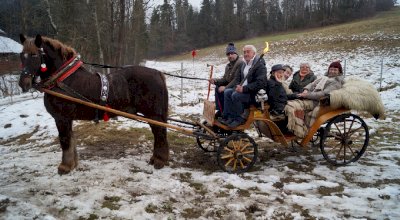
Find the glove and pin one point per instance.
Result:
(326, 100)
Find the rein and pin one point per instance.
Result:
(122, 67)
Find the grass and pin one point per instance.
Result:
(111, 202)
(386, 23)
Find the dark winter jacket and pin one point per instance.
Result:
(297, 85)
(277, 98)
(255, 77)
(231, 69)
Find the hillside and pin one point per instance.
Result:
(381, 32)
(114, 180)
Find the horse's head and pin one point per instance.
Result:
(40, 57)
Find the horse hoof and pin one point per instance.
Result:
(63, 169)
(157, 163)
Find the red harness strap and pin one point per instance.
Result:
(70, 71)
(67, 69)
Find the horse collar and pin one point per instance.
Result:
(67, 69)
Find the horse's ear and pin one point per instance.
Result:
(38, 41)
(22, 38)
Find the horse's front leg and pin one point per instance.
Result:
(161, 148)
(69, 155)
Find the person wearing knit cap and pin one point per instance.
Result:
(335, 68)
(231, 49)
(231, 69)
(246, 85)
(309, 99)
(323, 85)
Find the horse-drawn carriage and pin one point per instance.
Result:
(343, 136)
(73, 93)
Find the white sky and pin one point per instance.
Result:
(194, 3)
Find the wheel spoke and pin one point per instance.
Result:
(333, 148)
(248, 152)
(351, 150)
(226, 156)
(234, 165)
(246, 159)
(351, 132)
(229, 150)
(235, 145)
(351, 125)
(245, 146)
(338, 153)
(241, 164)
(340, 132)
(229, 161)
(335, 135)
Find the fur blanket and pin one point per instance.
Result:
(358, 95)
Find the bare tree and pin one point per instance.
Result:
(53, 25)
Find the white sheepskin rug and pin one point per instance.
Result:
(359, 95)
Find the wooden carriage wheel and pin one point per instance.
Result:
(344, 139)
(237, 153)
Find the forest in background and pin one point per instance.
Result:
(119, 32)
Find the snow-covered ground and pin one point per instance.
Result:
(283, 185)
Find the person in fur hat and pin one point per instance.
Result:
(231, 69)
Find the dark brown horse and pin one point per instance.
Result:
(132, 89)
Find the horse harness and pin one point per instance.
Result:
(66, 70)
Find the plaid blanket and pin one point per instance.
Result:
(301, 114)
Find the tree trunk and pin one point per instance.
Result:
(96, 24)
(120, 41)
(53, 25)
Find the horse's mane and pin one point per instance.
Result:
(65, 51)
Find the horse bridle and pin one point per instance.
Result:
(34, 74)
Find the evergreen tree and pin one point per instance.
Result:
(167, 28)
(181, 14)
(240, 20)
(155, 35)
(206, 34)
(140, 35)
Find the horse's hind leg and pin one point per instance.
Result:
(161, 148)
(69, 155)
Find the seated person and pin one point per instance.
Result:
(277, 98)
(231, 69)
(308, 100)
(285, 79)
(322, 86)
(246, 85)
(288, 71)
(301, 78)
